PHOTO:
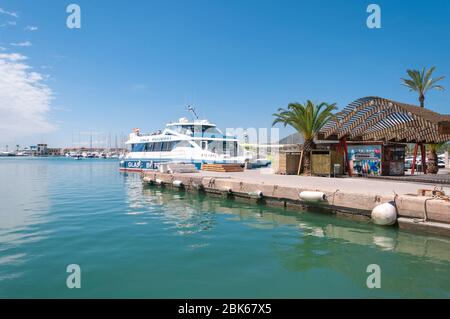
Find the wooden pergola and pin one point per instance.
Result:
(378, 119)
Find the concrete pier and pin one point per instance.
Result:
(348, 197)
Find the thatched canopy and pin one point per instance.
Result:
(378, 119)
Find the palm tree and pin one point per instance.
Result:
(432, 163)
(421, 82)
(308, 119)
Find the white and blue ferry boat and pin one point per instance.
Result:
(186, 141)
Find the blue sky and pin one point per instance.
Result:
(139, 63)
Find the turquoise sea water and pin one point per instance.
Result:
(144, 242)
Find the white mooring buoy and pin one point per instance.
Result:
(177, 183)
(256, 194)
(384, 214)
(227, 189)
(313, 196)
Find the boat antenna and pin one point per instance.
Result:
(192, 109)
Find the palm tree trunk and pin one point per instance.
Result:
(422, 100)
(308, 145)
(432, 165)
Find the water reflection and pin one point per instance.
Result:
(198, 214)
(193, 216)
(24, 200)
(358, 233)
(327, 247)
(23, 196)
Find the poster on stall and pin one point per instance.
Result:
(365, 159)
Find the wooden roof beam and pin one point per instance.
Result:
(409, 129)
(393, 135)
(360, 120)
(425, 134)
(339, 123)
(380, 134)
(394, 123)
(361, 129)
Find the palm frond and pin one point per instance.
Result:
(308, 118)
(427, 77)
(438, 87)
(422, 81)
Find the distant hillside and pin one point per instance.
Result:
(295, 138)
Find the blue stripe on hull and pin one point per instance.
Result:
(154, 164)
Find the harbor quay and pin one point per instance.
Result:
(419, 207)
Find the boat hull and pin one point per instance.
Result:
(138, 165)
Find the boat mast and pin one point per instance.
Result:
(192, 110)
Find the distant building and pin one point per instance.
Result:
(42, 149)
(33, 150)
(54, 152)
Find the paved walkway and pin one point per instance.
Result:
(357, 185)
(428, 179)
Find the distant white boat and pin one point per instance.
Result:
(5, 154)
(22, 154)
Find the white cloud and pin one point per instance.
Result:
(14, 57)
(31, 28)
(22, 44)
(9, 13)
(8, 23)
(24, 99)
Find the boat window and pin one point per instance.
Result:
(231, 148)
(140, 147)
(184, 129)
(215, 147)
(197, 129)
(199, 143)
(223, 147)
(167, 146)
(149, 147)
(211, 130)
(157, 147)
